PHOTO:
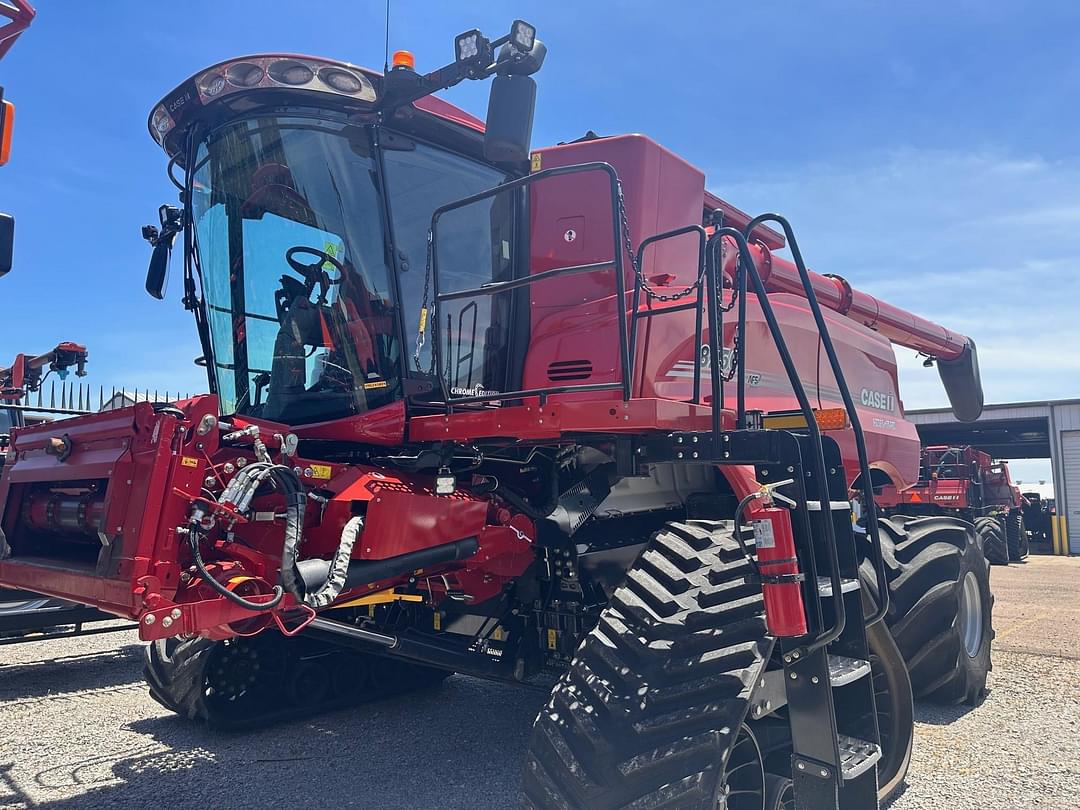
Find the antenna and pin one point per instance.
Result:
(386, 50)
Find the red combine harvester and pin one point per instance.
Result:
(484, 410)
(967, 483)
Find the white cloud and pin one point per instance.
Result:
(984, 244)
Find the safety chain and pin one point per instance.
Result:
(638, 273)
(421, 330)
(729, 375)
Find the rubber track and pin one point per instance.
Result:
(647, 712)
(991, 532)
(924, 558)
(176, 672)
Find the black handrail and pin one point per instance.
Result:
(493, 288)
(849, 406)
(698, 304)
(750, 270)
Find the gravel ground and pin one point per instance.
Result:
(78, 730)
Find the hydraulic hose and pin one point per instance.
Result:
(738, 526)
(295, 502)
(209, 579)
(339, 567)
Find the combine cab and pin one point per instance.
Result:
(476, 408)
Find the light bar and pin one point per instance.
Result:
(264, 72)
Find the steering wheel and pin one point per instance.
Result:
(315, 273)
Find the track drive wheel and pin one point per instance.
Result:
(992, 537)
(940, 605)
(1016, 535)
(249, 682)
(650, 712)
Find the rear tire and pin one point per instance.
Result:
(991, 535)
(940, 605)
(650, 712)
(1016, 535)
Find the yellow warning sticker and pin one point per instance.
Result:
(437, 621)
(334, 250)
(188, 461)
(553, 639)
(371, 386)
(321, 471)
(537, 159)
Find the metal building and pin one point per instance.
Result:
(1023, 430)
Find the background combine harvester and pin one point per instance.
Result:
(967, 483)
(571, 421)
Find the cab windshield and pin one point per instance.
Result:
(296, 250)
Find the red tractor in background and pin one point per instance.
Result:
(968, 483)
(480, 409)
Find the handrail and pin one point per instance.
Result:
(698, 305)
(493, 288)
(750, 270)
(849, 406)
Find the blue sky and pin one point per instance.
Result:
(925, 151)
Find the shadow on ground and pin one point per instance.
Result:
(52, 677)
(937, 715)
(458, 746)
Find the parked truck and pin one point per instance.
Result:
(484, 409)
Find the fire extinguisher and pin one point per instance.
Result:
(778, 568)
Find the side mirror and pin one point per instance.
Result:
(157, 274)
(7, 242)
(508, 130)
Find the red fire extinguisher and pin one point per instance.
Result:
(779, 570)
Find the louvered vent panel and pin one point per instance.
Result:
(569, 370)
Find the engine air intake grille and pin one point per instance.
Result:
(566, 370)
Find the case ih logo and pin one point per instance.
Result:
(877, 399)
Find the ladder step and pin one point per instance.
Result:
(836, 506)
(844, 670)
(824, 585)
(856, 756)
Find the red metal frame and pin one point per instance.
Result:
(21, 14)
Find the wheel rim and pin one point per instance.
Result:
(971, 618)
(242, 673)
(232, 674)
(743, 787)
